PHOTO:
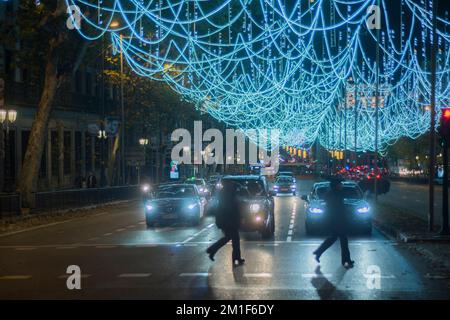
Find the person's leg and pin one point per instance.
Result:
(212, 250)
(235, 239)
(325, 245)
(345, 252)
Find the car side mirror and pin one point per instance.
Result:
(304, 197)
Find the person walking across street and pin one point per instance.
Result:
(338, 224)
(228, 219)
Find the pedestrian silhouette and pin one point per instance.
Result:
(337, 223)
(228, 219)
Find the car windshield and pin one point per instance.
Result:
(350, 192)
(250, 188)
(285, 180)
(198, 182)
(175, 192)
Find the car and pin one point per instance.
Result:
(256, 204)
(202, 186)
(213, 183)
(284, 185)
(285, 174)
(175, 202)
(357, 207)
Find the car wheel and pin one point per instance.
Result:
(268, 231)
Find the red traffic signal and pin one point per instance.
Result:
(444, 127)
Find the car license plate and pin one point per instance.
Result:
(284, 189)
(170, 216)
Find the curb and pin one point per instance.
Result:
(55, 214)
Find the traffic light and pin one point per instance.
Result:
(444, 126)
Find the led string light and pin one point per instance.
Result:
(286, 64)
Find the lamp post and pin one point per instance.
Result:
(7, 117)
(102, 135)
(143, 142)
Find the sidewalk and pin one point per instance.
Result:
(14, 224)
(410, 229)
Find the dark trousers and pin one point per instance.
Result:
(230, 234)
(345, 252)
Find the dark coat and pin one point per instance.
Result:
(228, 213)
(337, 218)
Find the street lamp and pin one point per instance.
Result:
(102, 135)
(143, 142)
(7, 117)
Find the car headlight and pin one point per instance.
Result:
(145, 188)
(192, 206)
(365, 209)
(254, 207)
(149, 207)
(293, 186)
(276, 187)
(315, 210)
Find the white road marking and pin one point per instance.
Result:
(369, 275)
(105, 247)
(198, 233)
(120, 230)
(107, 234)
(93, 239)
(258, 275)
(195, 274)
(134, 275)
(314, 275)
(431, 276)
(66, 247)
(25, 249)
(291, 223)
(16, 277)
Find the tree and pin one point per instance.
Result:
(51, 53)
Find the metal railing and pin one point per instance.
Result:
(9, 204)
(76, 198)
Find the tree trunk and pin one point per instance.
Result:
(113, 158)
(33, 155)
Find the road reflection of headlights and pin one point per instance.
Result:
(254, 208)
(315, 210)
(363, 210)
(192, 206)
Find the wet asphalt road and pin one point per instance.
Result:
(120, 258)
(413, 198)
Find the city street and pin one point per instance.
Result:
(120, 258)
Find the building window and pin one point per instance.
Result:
(78, 153)
(67, 152)
(88, 146)
(54, 153)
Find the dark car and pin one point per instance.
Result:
(256, 204)
(284, 185)
(357, 207)
(213, 183)
(202, 186)
(175, 202)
